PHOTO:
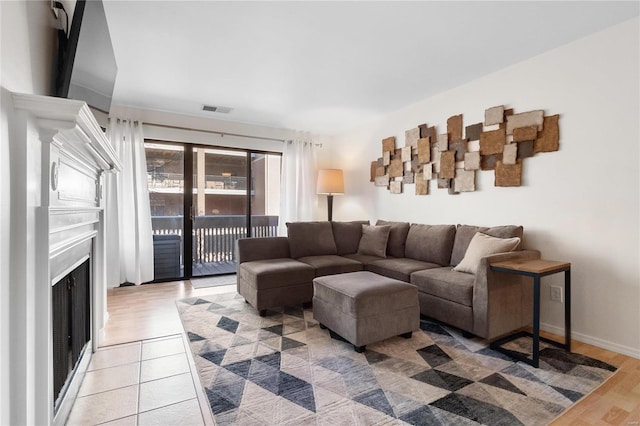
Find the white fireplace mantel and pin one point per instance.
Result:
(59, 154)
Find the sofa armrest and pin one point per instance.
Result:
(261, 248)
(502, 302)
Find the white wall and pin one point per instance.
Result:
(579, 204)
(27, 46)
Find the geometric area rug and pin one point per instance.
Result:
(284, 369)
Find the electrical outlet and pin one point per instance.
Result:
(556, 293)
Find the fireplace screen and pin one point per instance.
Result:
(71, 324)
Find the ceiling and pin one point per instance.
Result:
(327, 66)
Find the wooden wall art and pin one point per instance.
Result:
(451, 158)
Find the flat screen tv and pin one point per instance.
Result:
(86, 66)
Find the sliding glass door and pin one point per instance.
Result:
(224, 195)
(219, 209)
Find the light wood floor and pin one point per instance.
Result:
(143, 312)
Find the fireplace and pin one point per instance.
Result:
(58, 238)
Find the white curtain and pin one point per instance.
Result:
(127, 216)
(298, 182)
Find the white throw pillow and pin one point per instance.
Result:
(483, 245)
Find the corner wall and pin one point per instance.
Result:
(580, 204)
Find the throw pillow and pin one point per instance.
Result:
(374, 240)
(483, 245)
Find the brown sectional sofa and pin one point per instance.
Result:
(279, 271)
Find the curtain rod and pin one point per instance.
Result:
(222, 134)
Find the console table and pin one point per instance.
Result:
(536, 268)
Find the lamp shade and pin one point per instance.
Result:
(330, 181)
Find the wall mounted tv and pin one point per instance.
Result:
(86, 66)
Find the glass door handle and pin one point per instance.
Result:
(192, 214)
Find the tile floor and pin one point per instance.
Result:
(150, 382)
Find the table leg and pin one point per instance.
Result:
(567, 309)
(536, 321)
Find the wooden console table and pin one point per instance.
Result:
(536, 268)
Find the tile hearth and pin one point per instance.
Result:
(140, 383)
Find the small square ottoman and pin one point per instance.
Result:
(363, 307)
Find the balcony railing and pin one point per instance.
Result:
(176, 180)
(214, 236)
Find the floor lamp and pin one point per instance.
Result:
(330, 182)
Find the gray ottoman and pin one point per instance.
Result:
(363, 307)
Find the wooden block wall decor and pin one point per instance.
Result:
(507, 113)
(416, 167)
(427, 171)
(465, 181)
(424, 150)
(473, 146)
(444, 183)
(411, 136)
(525, 149)
(472, 160)
(522, 134)
(460, 148)
(492, 142)
(508, 175)
(525, 119)
(447, 165)
(386, 158)
(432, 134)
(510, 153)
(435, 159)
(488, 162)
(452, 160)
(443, 142)
(396, 168)
(408, 178)
(549, 138)
(389, 144)
(422, 185)
(494, 115)
(472, 132)
(382, 180)
(454, 127)
(406, 154)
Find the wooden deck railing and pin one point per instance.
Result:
(214, 236)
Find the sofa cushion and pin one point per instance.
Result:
(374, 240)
(445, 283)
(397, 237)
(399, 268)
(331, 264)
(483, 245)
(310, 239)
(464, 234)
(273, 273)
(365, 259)
(430, 243)
(347, 235)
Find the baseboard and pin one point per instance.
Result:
(584, 338)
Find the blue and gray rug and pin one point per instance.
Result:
(284, 369)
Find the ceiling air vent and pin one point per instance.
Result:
(218, 109)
